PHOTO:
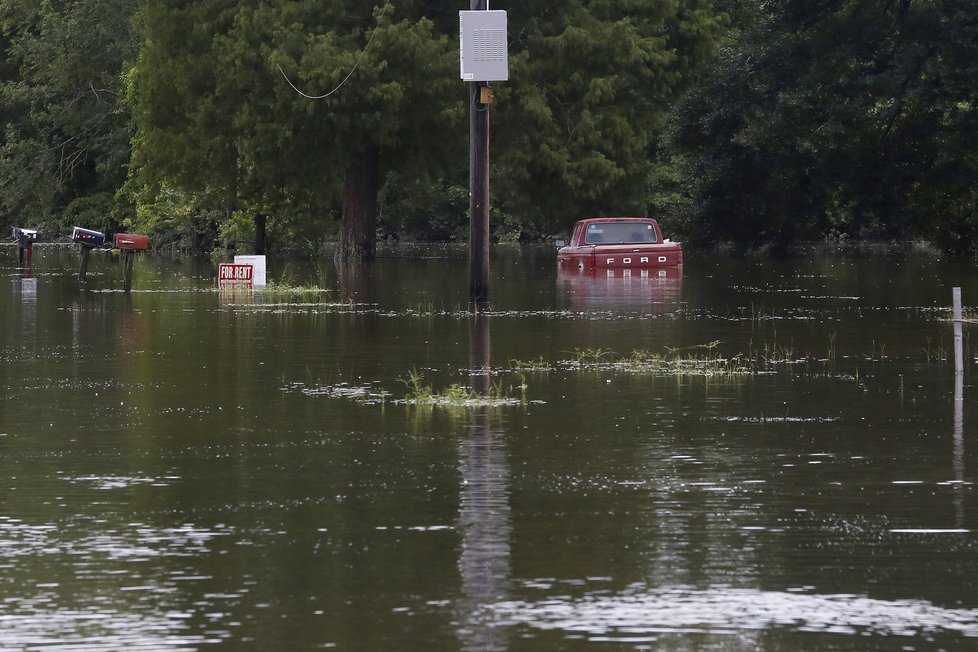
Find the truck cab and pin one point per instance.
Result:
(619, 243)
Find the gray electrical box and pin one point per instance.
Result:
(482, 47)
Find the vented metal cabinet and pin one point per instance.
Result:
(482, 46)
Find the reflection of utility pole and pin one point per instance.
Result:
(958, 403)
(484, 512)
(480, 344)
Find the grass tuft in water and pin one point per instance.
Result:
(590, 356)
(418, 393)
(285, 291)
(536, 365)
(456, 395)
(702, 360)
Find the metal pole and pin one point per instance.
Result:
(478, 190)
(958, 339)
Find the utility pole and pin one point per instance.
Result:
(478, 188)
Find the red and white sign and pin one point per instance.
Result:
(235, 275)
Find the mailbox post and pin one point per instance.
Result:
(88, 240)
(25, 239)
(129, 244)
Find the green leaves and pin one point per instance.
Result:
(217, 114)
(64, 131)
(589, 85)
(836, 118)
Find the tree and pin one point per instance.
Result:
(845, 117)
(64, 143)
(590, 83)
(217, 114)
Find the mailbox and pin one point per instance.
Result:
(87, 238)
(26, 237)
(130, 241)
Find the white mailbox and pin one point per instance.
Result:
(482, 46)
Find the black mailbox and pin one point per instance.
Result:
(87, 237)
(26, 237)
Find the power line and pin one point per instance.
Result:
(348, 75)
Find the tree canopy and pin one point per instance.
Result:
(740, 121)
(64, 144)
(845, 117)
(591, 83)
(221, 97)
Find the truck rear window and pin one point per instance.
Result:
(619, 233)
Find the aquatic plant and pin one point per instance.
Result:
(456, 395)
(418, 393)
(589, 355)
(538, 364)
(938, 352)
(702, 360)
(772, 353)
(285, 291)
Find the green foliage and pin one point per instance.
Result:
(846, 118)
(239, 228)
(63, 131)
(428, 210)
(174, 221)
(590, 82)
(217, 117)
(95, 211)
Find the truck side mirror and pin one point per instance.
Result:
(560, 243)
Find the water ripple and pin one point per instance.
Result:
(641, 610)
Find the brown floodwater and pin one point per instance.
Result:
(753, 454)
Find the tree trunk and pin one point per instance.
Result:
(261, 242)
(358, 228)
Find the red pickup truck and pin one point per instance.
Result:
(618, 243)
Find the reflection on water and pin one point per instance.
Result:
(86, 608)
(647, 290)
(25, 287)
(177, 468)
(642, 614)
(484, 510)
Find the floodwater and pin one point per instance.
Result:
(753, 455)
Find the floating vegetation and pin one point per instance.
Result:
(702, 360)
(538, 365)
(774, 353)
(585, 357)
(422, 395)
(366, 394)
(774, 419)
(419, 394)
(937, 353)
(285, 291)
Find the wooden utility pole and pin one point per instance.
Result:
(478, 189)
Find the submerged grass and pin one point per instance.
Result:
(589, 356)
(704, 360)
(538, 364)
(285, 291)
(456, 395)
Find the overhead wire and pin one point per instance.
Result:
(338, 86)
